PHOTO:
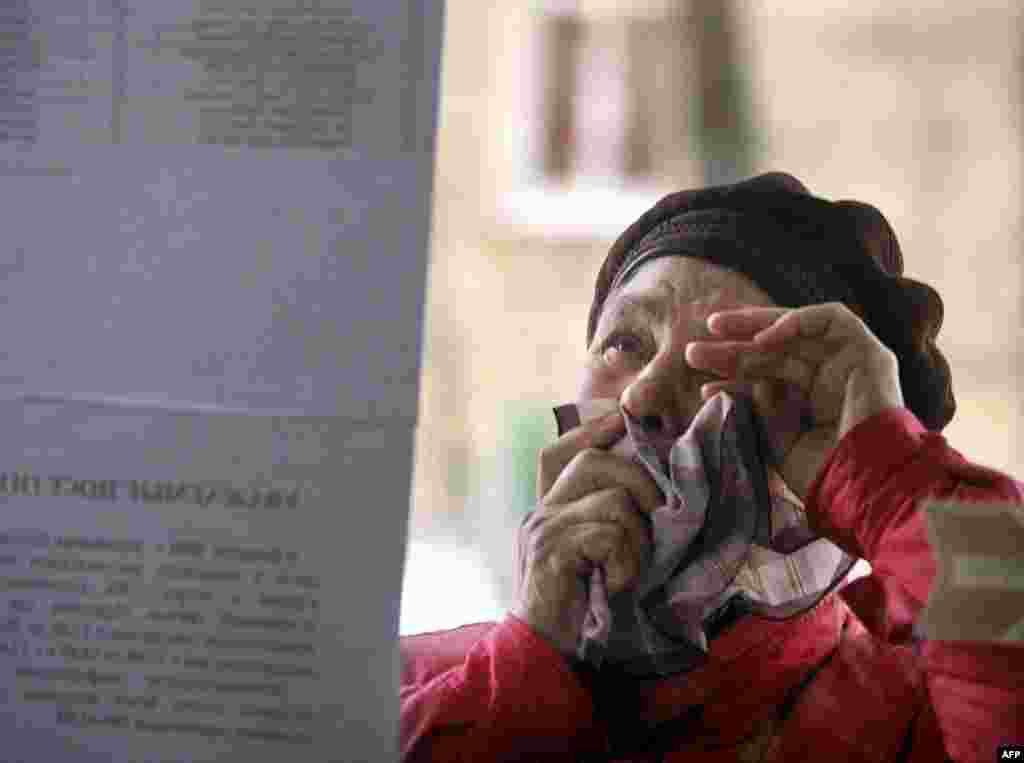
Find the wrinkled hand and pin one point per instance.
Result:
(590, 513)
(841, 368)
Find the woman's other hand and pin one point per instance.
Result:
(845, 373)
(591, 512)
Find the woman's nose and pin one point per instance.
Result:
(659, 398)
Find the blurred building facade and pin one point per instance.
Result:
(561, 122)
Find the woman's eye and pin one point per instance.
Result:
(621, 346)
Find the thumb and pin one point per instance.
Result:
(783, 411)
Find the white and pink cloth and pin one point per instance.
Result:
(729, 528)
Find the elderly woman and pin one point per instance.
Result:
(776, 395)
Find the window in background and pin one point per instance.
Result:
(623, 103)
(607, 116)
(616, 99)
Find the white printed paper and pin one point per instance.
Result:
(197, 586)
(218, 201)
(214, 211)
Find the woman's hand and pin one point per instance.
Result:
(842, 370)
(590, 514)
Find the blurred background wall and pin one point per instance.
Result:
(561, 122)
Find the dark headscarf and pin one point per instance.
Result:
(801, 250)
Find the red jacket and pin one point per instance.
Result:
(842, 682)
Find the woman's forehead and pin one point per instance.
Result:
(689, 279)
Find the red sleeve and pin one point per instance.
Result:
(867, 499)
(513, 697)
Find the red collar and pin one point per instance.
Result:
(755, 657)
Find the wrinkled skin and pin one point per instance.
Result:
(679, 331)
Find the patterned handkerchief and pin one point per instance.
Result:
(729, 529)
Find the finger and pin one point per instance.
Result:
(721, 356)
(598, 529)
(599, 433)
(593, 470)
(780, 367)
(740, 361)
(744, 322)
(831, 323)
(612, 507)
(716, 357)
(610, 546)
(559, 577)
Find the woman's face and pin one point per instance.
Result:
(637, 355)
